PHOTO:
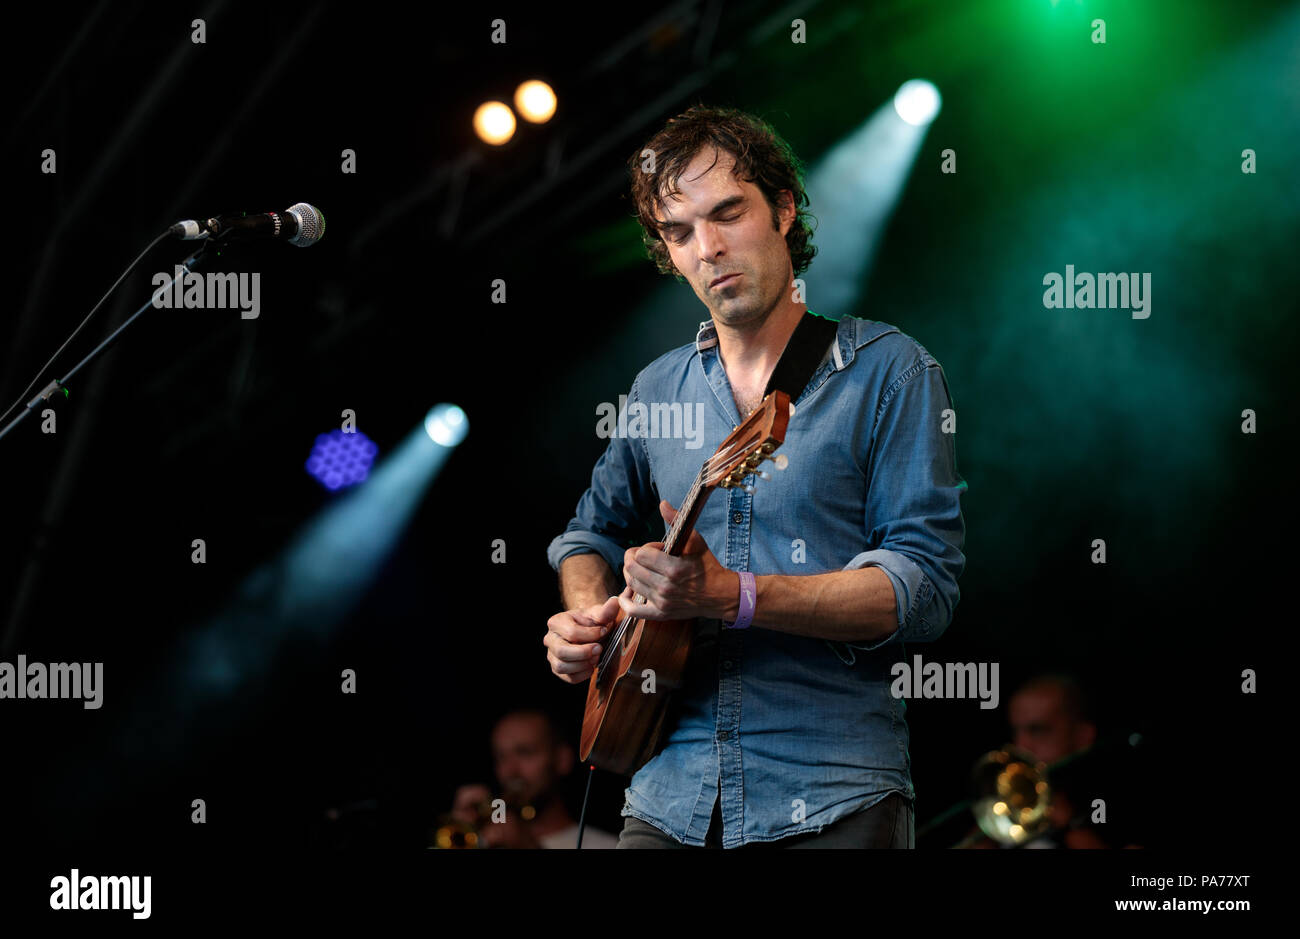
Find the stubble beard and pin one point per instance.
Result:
(752, 314)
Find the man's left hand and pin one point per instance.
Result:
(692, 585)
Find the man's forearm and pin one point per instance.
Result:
(845, 606)
(586, 579)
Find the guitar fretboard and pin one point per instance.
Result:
(684, 511)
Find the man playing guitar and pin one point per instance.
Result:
(805, 588)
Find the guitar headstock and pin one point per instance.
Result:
(750, 444)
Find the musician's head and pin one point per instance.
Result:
(531, 757)
(1050, 717)
(717, 191)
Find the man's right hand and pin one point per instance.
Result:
(573, 638)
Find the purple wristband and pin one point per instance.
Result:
(748, 597)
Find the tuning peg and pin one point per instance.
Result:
(781, 460)
(762, 475)
(748, 488)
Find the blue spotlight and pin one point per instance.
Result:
(446, 424)
(340, 459)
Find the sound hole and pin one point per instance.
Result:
(614, 652)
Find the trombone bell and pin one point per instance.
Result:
(1012, 796)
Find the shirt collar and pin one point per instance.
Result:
(847, 340)
(706, 337)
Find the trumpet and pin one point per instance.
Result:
(1012, 796)
(454, 832)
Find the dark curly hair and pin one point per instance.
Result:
(762, 158)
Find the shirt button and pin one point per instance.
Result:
(737, 517)
(727, 664)
(724, 735)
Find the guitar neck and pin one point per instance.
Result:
(687, 513)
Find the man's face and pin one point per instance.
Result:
(720, 225)
(527, 761)
(1040, 724)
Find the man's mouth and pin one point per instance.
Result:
(723, 280)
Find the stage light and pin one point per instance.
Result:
(494, 123)
(857, 183)
(340, 459)
(446, 424)
(917, 101)
(535, 101)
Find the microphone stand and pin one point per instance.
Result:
(57, 385)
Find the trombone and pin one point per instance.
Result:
(1012, 799)
(1012, 796)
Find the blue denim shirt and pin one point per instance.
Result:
(795, 732)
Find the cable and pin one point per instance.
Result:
(130, 268)
(582, 816)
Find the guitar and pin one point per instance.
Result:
(622, 725)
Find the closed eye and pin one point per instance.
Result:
(687, 234)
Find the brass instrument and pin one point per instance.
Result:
(456, 833)
(1012, 796)
(453, 832)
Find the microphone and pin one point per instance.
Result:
(300, 225)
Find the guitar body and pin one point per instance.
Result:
(622, 724)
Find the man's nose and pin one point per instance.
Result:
(709, 238)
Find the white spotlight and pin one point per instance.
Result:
(446, 424)
(917, 101)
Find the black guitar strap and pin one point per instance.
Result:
(803, 353)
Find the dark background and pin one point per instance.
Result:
(1074, 425)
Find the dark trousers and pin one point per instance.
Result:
(887, 824)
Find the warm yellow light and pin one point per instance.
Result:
(535, 101)
(494, 123)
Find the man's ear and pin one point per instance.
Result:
(786, 210)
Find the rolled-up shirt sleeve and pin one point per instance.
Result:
(616, 507)
(914, 525)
